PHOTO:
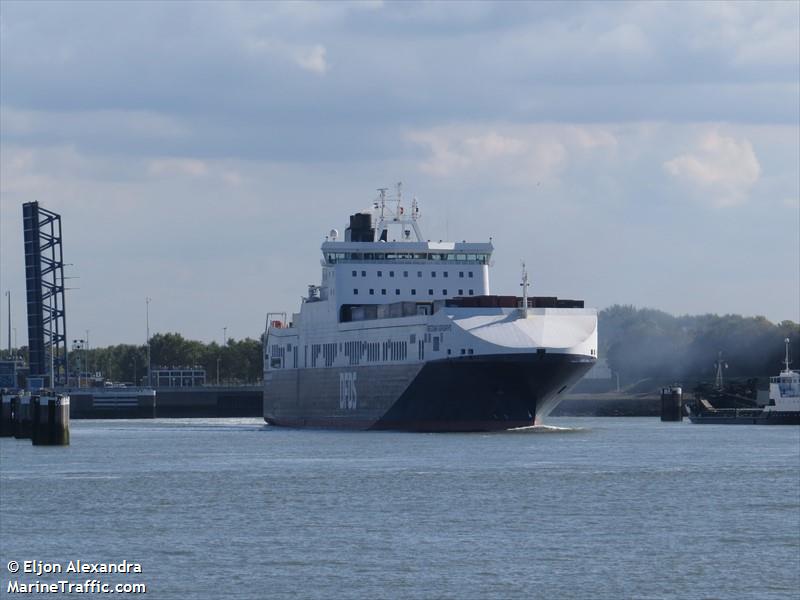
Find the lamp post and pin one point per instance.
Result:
(8, 295)
(224, 336)
(79, 345)
(218, 360)
(147, 316)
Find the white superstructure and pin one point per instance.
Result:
(784, 390)
(388, 297)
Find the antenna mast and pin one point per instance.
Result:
(786, 360)
(393, 216)
(720, 364)
(525, 284)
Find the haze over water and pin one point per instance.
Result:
(598, 508)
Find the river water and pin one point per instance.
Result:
(588, 509)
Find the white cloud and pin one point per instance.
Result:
(723, 169)
(308, 57)
(193, 168)
(73, 124)
(522, 154)
(178, 166)
(312, 59)
(792, 202)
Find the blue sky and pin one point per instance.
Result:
(642, 153)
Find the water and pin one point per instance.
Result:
(596, 508)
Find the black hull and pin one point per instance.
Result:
(746, 418)
(470, 393)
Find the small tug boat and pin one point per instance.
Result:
(783, 407)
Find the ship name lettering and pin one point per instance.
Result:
(348, 395)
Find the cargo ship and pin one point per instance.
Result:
(403, 333)
(783, 407)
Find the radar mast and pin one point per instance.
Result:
(387, 215)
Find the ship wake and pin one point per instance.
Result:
(546, 429)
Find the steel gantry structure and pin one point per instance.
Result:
(44, 277)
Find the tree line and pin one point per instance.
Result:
(638, 343)
(239, 361)
(644, 343)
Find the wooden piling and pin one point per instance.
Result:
(50, 421)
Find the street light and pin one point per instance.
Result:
(78, 345)
(224, 336)
(8, 295)
(147, 312)
(218, 360)
(88, 369)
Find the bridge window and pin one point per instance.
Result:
(391, 273)
(380, 274)
(371, 292)
(355, 292)
(413, 292)
(461, 274)
(470, 274)
(363, 273)
(430, 292)
(471, 292)
(383, 292)
(397, 292)
(460, 292)
(433, 274)
(444, 292)
(405, 273)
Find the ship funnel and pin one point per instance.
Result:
(360, 229)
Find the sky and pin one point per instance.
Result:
(634, 153)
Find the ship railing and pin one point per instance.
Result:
(405, 261)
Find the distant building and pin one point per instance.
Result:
(179, 377)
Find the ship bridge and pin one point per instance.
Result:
(384, 260)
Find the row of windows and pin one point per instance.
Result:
(334, 257)
(445, 274)
(328, 351)
(358, 352)
(413, 292)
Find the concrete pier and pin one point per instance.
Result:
(50, 420)
(672, 403)
(21, 408)
(112, 403)
(211, 402)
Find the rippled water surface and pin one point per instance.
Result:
(589, 508)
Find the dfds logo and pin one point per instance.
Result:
(348, 395)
